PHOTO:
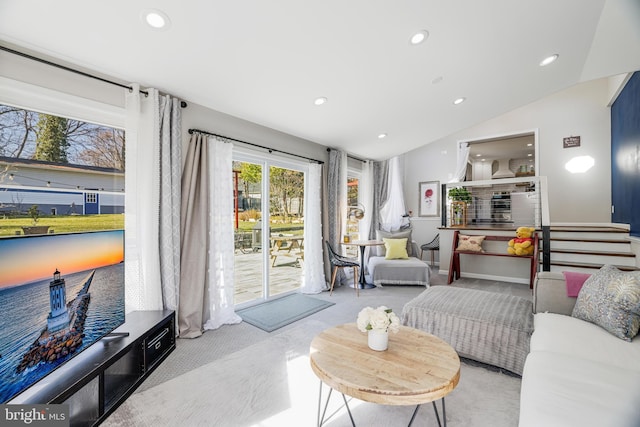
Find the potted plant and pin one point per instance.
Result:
(459, 196)
(377, 323)
(34, 213)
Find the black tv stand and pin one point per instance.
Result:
(116, 335)
(96, 381)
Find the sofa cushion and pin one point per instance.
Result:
(565, 390)
(409, 271)
(610, 298)
(550, 294)
(395, 248)
(571, 336)
(401, 234)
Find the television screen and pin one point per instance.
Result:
(59, 294)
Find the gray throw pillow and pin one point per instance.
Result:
(610, 298)
(380, 234)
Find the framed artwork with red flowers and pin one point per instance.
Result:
(429, 198)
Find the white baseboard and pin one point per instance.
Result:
(522, 280)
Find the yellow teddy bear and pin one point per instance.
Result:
(523, 243)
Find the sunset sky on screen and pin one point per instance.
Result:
(28, 259)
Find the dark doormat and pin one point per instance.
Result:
(277, 313)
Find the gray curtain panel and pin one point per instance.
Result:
(325, 222)
(194, 243)
(334, 193)
(380, 194)
(334, 196)
(170, 128)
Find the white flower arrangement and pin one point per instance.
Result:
(380, 319)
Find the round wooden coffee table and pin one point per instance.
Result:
(417, 368)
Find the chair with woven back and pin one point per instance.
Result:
(433, 245)
(338, 261)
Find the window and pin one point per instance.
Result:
(46, 163)
(353, 224)
(353, 203)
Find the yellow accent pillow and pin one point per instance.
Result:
(470, 243)
(395, 248)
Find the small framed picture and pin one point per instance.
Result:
(429, 198)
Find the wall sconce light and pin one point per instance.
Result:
(580, 164)
(356, 212)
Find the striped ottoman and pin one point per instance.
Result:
(488, 327)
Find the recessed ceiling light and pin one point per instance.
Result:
(478, 155)
(156, 19)
(529, 145)
(549, 60)
(419, 37)
(459, 101)
(320, 101)
(529, 155)
(382, 136)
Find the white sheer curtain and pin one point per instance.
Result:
(463, 159)
(142, 180)
(219, 308)
(391, 214)
(313, 279)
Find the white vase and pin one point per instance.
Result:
(378, 340)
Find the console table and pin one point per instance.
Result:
(96, 381)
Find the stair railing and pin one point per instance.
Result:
(545, 222)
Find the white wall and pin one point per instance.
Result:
(29, 71)
(198, 117)
(579, 111)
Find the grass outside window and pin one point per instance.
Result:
(64, 223)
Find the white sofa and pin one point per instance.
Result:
(576, 374)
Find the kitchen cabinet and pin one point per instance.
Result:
(481, 171)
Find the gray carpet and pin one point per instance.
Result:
(239, 375)
(280, 312)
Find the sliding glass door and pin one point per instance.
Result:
(269, 227)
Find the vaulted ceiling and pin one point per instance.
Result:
(267, 61)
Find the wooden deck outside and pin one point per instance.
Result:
(284, 276)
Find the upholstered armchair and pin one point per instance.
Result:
(390, 265)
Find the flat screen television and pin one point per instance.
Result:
(59, 294)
